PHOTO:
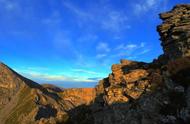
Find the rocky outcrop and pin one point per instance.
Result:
(175, 37)
(134, 93)
(79, 96)
(129, 80)
(157, 92)
(175, 32)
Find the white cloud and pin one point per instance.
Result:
(115, 21)
(99, 56)
(50, 77)
(106, 17)
(37, 68)
(146, 5)
(79, 12)
(144, 51)
(151, 3)
(103, 47)
(130, 46)
(126, 47)
(9, 5)
(85, 71)
(131, 51)
(142, 44)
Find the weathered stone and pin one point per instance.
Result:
(174, 32)
(115, 95)
(135, 75)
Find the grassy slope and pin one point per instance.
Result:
(24, 106)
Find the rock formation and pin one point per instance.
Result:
(134, 93)
(175, 32)
(157, 92)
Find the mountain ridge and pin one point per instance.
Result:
(133, 93)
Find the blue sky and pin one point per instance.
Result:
(73, 43)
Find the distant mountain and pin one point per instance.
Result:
(23, 101)
(134, 93)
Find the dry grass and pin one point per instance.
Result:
(24, 106)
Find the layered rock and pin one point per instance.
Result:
(79, 96)
(175, 37)
(175, 32)
(157, 92)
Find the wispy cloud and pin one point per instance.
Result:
(64, 46)
(36, 68)
(9, 5)
(130, 46)
(105, 17)
(100, 56)
(115, 21)
(77, 11)
(144, 51)
(50, 77)
(85, 71)
(103, 50)
(126, 47)
(146, 5)
(103, 47)
(130, 50)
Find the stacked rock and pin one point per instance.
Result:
(175, 32)
(128, 81)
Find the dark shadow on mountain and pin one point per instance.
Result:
(182, 77)
(46, 112)
(98, 110)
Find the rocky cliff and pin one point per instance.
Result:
(175, 32)
(134, 93)
(157, 92)
(147, 93)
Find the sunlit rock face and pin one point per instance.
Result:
(129, 80)
(157, 92)
(79, 96)
(8, 79)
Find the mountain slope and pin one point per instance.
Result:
(23, 101)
